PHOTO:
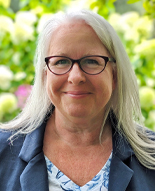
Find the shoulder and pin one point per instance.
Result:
(4, 139)
(8, 147)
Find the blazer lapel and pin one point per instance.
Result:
(120, 173)
(34, 177)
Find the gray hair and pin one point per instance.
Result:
(125, 98)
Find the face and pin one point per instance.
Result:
(76, 94)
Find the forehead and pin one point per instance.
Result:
(77, 28)
(75, 36)
(72, 25)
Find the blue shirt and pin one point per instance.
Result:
(59, 181)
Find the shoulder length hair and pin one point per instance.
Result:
(124, 101)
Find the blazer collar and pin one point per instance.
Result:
(121, 147)
(33, 143)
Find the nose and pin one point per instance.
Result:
(76, 75)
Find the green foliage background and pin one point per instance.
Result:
(17, 46)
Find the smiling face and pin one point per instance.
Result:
(77, 95)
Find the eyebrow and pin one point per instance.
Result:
(66, 54)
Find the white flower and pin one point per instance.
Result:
(19, 76)
(8, 103)
(23, 27)
(144, 26)
(22, 32)
(125, 24)
(146, 48)
(129, 18)
(26, 17)
(114, 19)
(6, 25)
(150, 82)
(16, 58)
(132, 34)
(6, 75)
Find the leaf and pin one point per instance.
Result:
(132, 1)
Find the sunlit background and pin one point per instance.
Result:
(21, 21)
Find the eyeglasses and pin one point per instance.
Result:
(89, 64)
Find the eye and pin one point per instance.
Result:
(91, 61)
(62, 62)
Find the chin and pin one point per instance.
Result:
(79, 112)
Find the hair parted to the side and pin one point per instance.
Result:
(124, 101)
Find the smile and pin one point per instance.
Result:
(77, 94)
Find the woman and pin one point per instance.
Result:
(78, 130)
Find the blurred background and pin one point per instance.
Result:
(21, 21)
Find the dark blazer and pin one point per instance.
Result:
(23, 167)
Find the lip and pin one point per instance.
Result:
(77, 94)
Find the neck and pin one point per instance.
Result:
(77, 133)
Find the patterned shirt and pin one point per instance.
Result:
(59, 181)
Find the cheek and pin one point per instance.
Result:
(105, 88)
(54, 85)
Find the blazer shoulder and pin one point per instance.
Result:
(6, 145)
(4, 137)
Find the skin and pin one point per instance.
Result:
(71, 139)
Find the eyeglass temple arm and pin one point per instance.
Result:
(112, 60)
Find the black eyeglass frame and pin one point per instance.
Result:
(106, 59)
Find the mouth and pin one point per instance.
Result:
(77, 94)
